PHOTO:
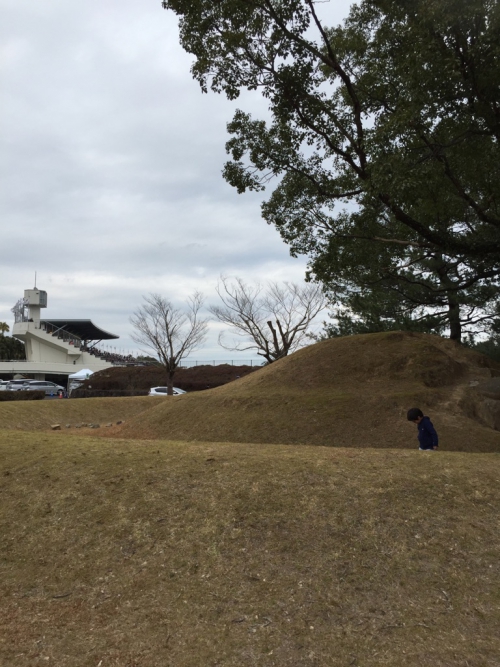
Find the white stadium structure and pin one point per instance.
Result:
(53, 347)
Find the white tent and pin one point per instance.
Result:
(83, 374)
(77, 379)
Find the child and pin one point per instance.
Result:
(427, 436)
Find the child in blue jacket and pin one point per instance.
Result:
(427, 436)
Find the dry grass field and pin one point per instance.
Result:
(40, 415)
(283, 520)
(168, 554)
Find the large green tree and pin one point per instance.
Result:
(10, 348)
(383, 138)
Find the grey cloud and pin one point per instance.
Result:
(111, 166)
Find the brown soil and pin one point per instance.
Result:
(347, 392)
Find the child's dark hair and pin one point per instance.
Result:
(413, 414)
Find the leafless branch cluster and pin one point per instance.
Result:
(171, 333)
(273, 319)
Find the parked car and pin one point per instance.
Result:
(162, 391)
(50, 388)
(17, 385)
(3, 385)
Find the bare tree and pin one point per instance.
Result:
(172, 333)
(273, 319)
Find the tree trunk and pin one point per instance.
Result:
(170, 383)
(454, 318)
(453, 303)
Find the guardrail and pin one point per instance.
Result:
(61, 334)
(220, 362)
(184, 364)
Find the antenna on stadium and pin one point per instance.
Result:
(35, 281)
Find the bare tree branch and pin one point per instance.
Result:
(171, 333)
(273, 320)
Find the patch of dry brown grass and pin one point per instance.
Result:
(42, 414)
(156, 554)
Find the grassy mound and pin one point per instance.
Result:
(127, 554)
(347, 392)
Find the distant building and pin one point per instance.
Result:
(55, 347)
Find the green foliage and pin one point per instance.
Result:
(362, 313)
(490, 347)
(11, 349)
(384, 138)
(150, 360)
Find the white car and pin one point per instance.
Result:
(162, 391)
(3, 385)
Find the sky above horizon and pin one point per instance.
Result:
(111, 184)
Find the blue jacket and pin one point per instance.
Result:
(427, 436)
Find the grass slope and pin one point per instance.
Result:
(42, 414)
(348, 392)
(167, 554)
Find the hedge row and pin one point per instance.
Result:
(21, 395)
(81, 392)
(137, 380)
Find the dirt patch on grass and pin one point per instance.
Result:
(158, 554)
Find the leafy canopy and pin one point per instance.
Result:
(383, 140)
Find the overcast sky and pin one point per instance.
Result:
(111, 162)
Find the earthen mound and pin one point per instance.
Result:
(352, 391)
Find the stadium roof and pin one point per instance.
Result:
(84, 329)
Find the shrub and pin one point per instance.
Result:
(21, 395)
(137, 380)
(82, 392)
